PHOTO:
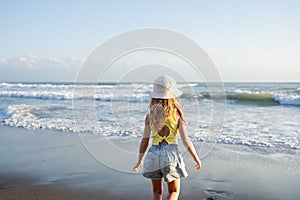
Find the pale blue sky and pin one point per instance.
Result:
(247, 40)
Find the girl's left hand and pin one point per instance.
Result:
(198, 165)
(137, 167)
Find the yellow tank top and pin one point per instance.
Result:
(172, 124)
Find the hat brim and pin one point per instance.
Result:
(175, 93)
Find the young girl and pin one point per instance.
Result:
(164, 121)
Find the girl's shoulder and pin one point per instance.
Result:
(175, 114)
(147, 119)
(179, 116)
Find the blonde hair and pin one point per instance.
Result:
(160, 110)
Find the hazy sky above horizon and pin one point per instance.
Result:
(247, 40)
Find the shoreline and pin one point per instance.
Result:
(41, 164)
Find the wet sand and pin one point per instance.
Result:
(39, 164)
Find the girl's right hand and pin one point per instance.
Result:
(198, 164)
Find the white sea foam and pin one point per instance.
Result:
(28, 116)
(139, 92)
(24, 116)
(188, 85)
(120, 110)
(130, 92)
(287, 99)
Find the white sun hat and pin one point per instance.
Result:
(164, 87)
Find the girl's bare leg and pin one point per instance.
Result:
(174, 189)
(157, 189)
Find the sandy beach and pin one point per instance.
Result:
(39, 164)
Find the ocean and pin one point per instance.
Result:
(256, 114)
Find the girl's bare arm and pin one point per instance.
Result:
(188, 144)
(143, 145)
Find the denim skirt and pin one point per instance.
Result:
(164, 161)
